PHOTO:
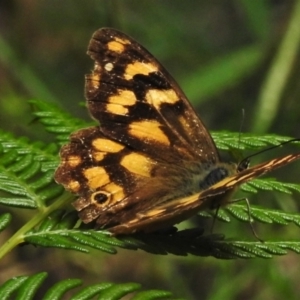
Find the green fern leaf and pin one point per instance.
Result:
(119, 291)
(270, 184)
(263, 215)
(229, 140)
(53, 232)
(25, 180)
(30, 286)
(5, 220)
(10, 286)
(58, 290)
(26, 287)
(152, 295)
(56, 120)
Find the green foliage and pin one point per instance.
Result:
(27, 172)
(26, 287)
(270, 185)
(56, 121)
(221, 59)
(230, 140)
(223, 72)
(27, 182)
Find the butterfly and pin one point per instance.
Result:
(151, 163)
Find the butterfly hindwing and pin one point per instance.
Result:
(210, 198)
(108, 177)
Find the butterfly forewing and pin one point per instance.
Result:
(139, 104)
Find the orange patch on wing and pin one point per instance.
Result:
(117, 104)
(98, 156)
(139, 68)
(117, 109)
(73, 186)
(148, 130)
(116, 191)
(124, 97)
(115, 46)
(73, 160)
(158, 97)
(96, 176)
(138, 164)
(105, 145)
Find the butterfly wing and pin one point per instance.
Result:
(140, 105)
(137, 171)
(212, 197)
(150, 142)
(112, 180)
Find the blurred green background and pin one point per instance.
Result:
(226, 55)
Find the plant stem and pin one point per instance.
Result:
(273, 87)
(20, 235)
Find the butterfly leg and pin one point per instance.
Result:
(249, 215)
(214, 219)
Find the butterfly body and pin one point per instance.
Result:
(151, 163)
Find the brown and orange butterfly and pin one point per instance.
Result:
(151, 163)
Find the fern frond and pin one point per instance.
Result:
(263, 215)
(57, 231)
(58, 290)
(270, 184)
(26, 179)
(52, 233)
(56, 120)
(26, 172)
(26, 287)
(246, 249)
(260, 214)
(5, 220)
(230, 140)
(191, 242)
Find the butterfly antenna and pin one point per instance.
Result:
(245, 162)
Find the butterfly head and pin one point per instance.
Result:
(243, 165)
